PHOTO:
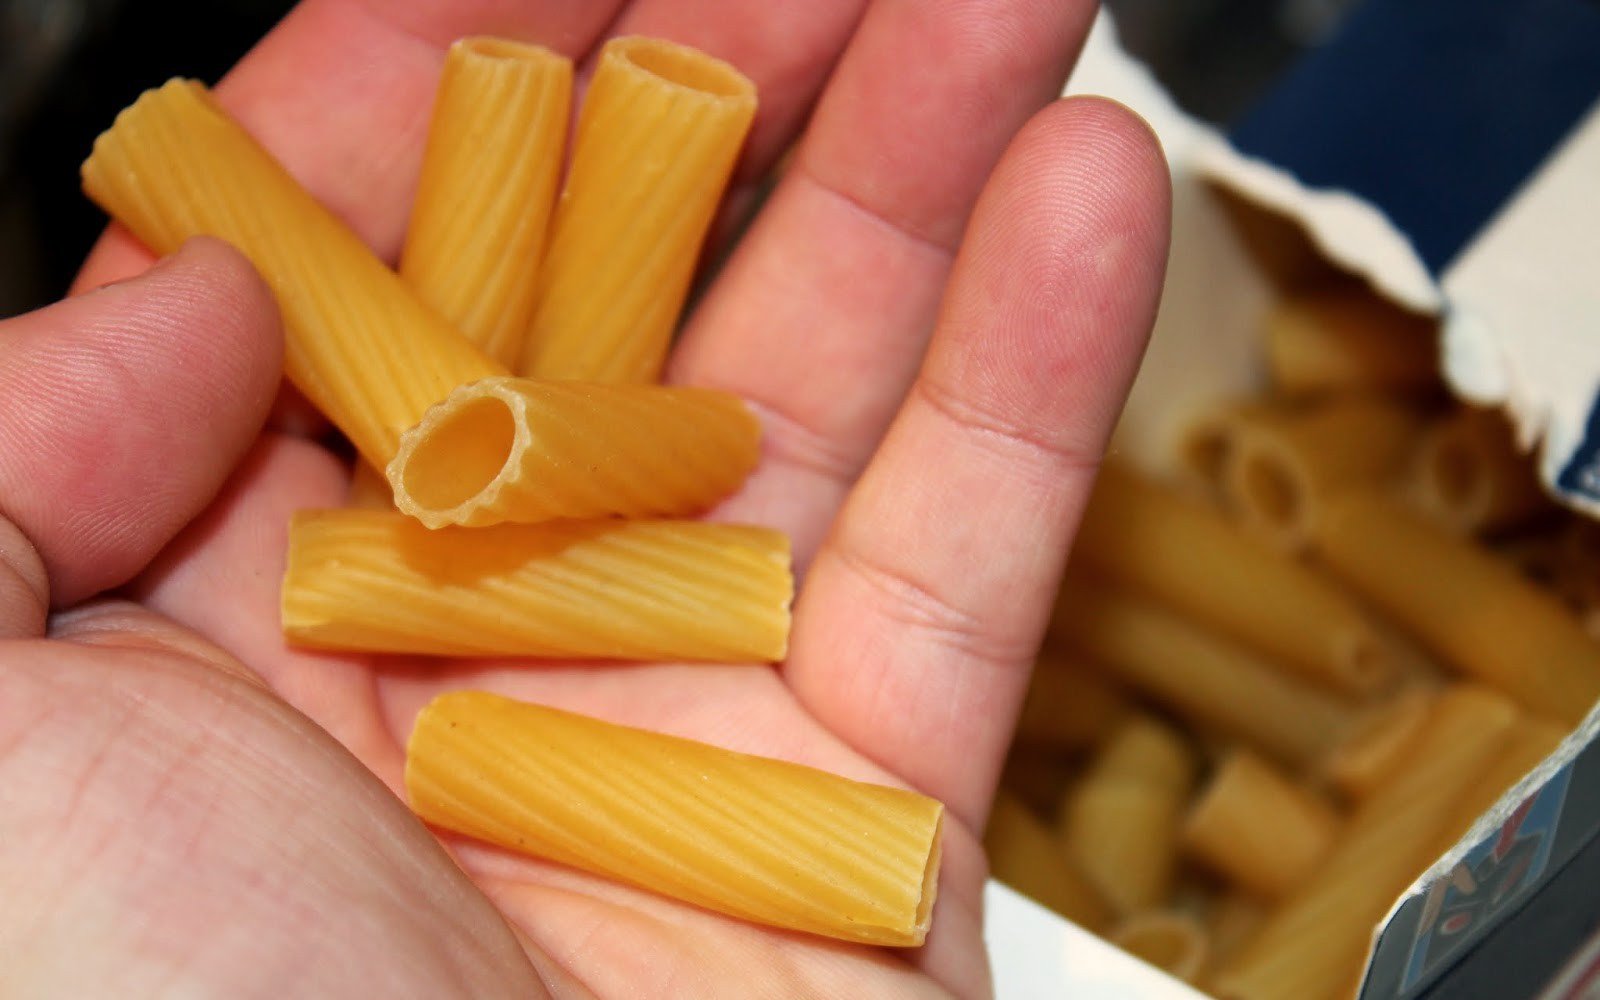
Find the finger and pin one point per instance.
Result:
(340, 92)
(922, 613)
(822, 313)
(122, 411)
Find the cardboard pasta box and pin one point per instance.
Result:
(1485, 217)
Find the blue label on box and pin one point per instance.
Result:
(1581, 475)
(1518, 907)
(1496, 874)
(1433, 110)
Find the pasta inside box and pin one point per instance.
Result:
(1324, 655)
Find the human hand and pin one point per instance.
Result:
(180, 813)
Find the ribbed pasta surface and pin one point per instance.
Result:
(638, 590)
(660, 129)
(487, 188)
(524, 450)
(358, 344)
(765, 840)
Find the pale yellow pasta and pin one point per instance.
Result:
(679, 590)
(1349, 340)
(763, 840)
(1146, 537)
(360, 346)
(1257, 827)
(1069, 704)
(660, 129)
(1231, 919)
(1206, 442)
(1470, 476)
(1024, 854)
(1120, 824)
(525, 450)
(1311, 946)
(1176, 943)
(1377, 743)
(488, 185)
(1474, 610)
(1286, 463)
(1213, 683)
(1530, 743)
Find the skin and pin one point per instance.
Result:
(937, 314)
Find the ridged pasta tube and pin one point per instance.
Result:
(1256, 826)
(1120, 825)
(1210, 681)
(766, 840)
(487, 189)
(1149, 538)
(636, 590)
(526, 450)
(1473, 609)
(660, 129)
(358, 343)
(1312, 944)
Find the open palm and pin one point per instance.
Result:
(936, 373)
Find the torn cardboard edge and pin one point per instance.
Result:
(1520, 309)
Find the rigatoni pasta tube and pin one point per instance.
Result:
(1530, 743)
(1148, 538)
(1212, 682)
(764, 840)
(488, 185)
(660, 129)
(1311, 945)
(681, 590)
(1206, 442)
(1286, 463)
(358, 343)
(1473, 609)
(1377, 743)
(1231, 919)
(1469, 475)
(1349, 340)
(1120, 824)
(525, 450)
(1069, 704)
(1176, 943)
(1257, 827)
(1024, 854)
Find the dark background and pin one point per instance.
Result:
(68, 66)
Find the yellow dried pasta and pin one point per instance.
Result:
(525, 450)
(765, 840)
(488, 186)
(638, 590)
(660, 129)
(361, 347)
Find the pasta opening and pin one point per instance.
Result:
(1455, 475)
(1271, 492)
(684, 67)
(1376, 742)
(464, 454)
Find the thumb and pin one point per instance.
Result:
(122, 411)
